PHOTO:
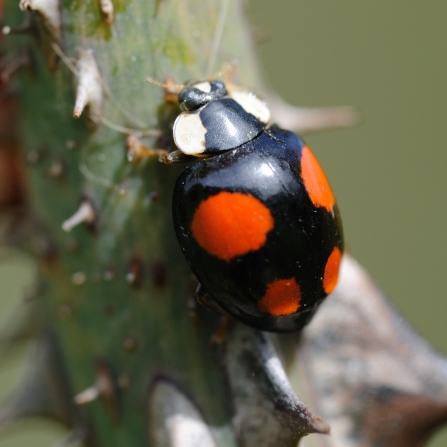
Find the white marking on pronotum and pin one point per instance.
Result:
(107, 10)
(189, 133)
(252, 104)
(84, 214)
(89, 91)
(203, 86)
(49, 10)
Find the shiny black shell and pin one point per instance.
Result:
(227, 125)
(268, 168)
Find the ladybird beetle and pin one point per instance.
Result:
(255, 216)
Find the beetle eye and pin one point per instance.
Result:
(198, 93)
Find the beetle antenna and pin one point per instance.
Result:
(170, 87)
(167, 85)
(227, 72)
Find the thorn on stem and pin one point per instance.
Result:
(49, 10)
(105, 388)
(302, 119)
(85, 214)
(174, 420)
(270, 392)
(88, 395)
(89, 89)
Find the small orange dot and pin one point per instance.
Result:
(283, 297)
(331, 271)
(315, 181)
(231, 224)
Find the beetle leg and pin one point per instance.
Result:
(176, 157)
(204, 298)
(136, 150)
(218, 337)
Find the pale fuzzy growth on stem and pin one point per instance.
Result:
(89, 90)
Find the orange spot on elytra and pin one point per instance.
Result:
(315, 181)
(331, 270)
(231, 224)
(283, 297)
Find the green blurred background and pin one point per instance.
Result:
(388, 59)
